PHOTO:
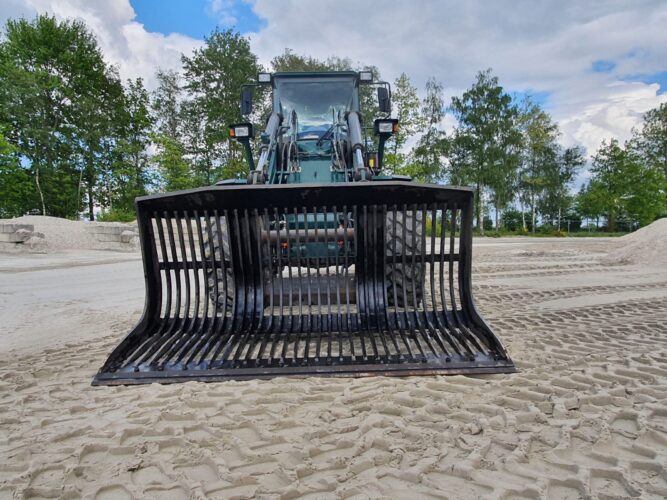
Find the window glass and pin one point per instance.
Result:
(317, 104)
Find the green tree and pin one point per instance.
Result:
(179, 130)
(651, 141)
(610, 167)
(166, 104)
(459, 157)
(512, 219)
(503, 180)
(405, 103)
(100, 115)
(488, 140)
(174, 169)
(80, 134)
(427, 157)
(288, 61)
(55, 94)
(539, 157)
(558, 176)
(590, 201)
(368, 102)
(16, 187)
(632, 189)
(213, 76)
(647, 192)
(130, 170)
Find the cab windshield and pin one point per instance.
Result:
(317, 103)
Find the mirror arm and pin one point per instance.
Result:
(248, 152)
(383, 139)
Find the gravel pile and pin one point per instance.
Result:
(61, 234)
(647, 246)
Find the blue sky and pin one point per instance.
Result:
(195, 18)
(609, 66)
(660, 78)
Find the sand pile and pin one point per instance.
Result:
(647, 246)
(61, 234)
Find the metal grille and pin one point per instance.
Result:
(260, 281)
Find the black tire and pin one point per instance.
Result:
(405, 281)
(219, 300)
(225, 295)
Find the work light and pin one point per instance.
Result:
(366, 76)
(241, 130)
(386, 126)
(264, 77)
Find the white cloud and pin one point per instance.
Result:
(592, 113)
(539, 46)
(125, 42)
(223, 11)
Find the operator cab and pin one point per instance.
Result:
(315, 104)
(315, 132)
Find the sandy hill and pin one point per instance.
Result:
(647, 246)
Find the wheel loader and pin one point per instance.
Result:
(317, 263)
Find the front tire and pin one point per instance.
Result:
(224, 299)
(405, 282)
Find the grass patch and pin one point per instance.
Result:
(549, 234)
(117, 216)
(593, 234)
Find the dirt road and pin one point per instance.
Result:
(584, 418)
(48, 300)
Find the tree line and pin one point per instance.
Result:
(628, 181)
(509, 151)
(74, 136)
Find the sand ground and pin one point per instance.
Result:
(586, 416)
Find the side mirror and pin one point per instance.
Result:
(246, 101)
(384, 101)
